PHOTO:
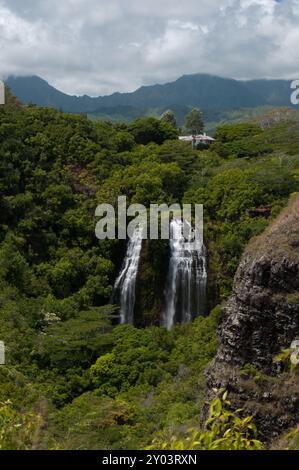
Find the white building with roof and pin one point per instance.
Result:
(197, 139)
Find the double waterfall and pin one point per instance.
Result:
(185, 293)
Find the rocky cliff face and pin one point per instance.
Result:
(259, 320)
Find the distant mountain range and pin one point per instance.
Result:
(208, 92)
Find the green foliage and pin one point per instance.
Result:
(223, 430)
(145, 352)
(146, 130)
(240, 140)
(230, 193)
(251, 371)
(115, 386)
(92, 422)
(150, 379)
(125, 141)
(17, 430)
(232, 132)
(194, 122)
(75, 342)
(169, 117)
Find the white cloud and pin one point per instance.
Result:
(97, 47)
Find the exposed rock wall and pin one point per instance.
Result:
(259, 320)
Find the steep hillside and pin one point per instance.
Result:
(37, 91)
(260, 319)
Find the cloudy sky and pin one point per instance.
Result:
(101, 46)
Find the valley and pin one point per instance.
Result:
(87, 370)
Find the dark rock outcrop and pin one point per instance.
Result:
(259, 320)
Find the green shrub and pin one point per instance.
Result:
(223, 430)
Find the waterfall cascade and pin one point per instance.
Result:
(125, 283)
(185, 295)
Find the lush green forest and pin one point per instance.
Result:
(74, 378)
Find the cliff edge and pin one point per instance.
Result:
(259, 320)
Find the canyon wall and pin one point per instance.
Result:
(259, 320)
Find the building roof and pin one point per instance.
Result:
(199, 138)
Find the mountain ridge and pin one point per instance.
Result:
(201, 90)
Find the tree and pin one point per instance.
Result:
(169, 117)
(194, 122)
(149, 129)
(234, 132)
(11, 102)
